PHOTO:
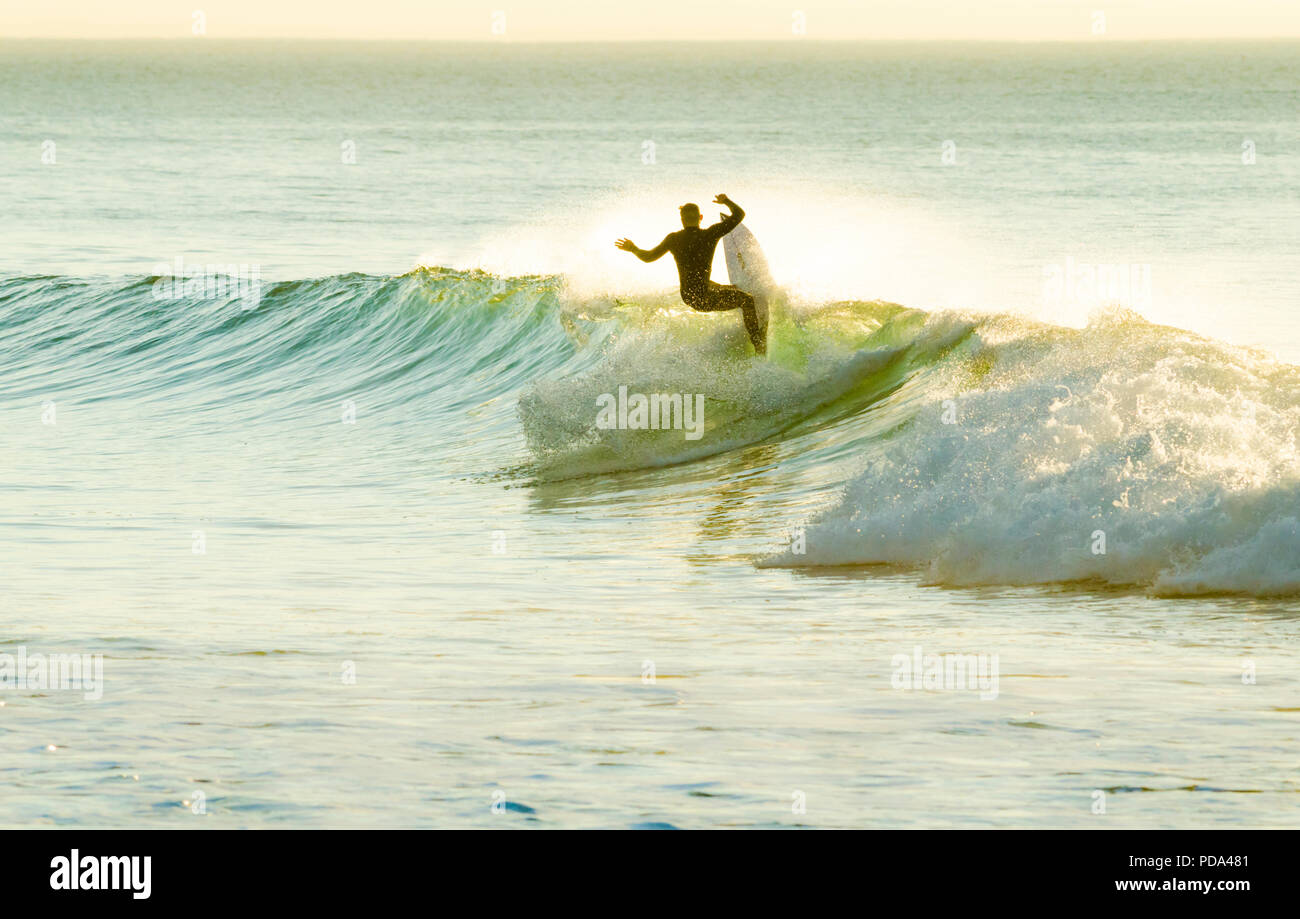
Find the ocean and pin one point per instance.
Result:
(339, 518)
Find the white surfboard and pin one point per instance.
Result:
(747, 267)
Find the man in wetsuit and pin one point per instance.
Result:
(693, 249)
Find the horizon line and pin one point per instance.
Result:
(651, 41)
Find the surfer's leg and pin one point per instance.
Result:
(756, 326)
(726, 297)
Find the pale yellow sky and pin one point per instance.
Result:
(598, 20)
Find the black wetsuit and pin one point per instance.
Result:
(693, 249)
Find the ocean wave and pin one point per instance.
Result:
(973, 448)
(396, 337)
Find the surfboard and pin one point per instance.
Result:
(747, 268)
(746, 264)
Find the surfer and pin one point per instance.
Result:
(693, 249)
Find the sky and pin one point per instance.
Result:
(605, 20)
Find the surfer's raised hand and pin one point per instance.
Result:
(722, 199)
(626, 245)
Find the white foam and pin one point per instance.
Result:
(1182, 452)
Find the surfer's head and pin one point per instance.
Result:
(690, 215)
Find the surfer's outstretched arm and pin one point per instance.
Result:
(731, 221)
(645, 255)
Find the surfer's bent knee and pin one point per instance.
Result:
(697, 302)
